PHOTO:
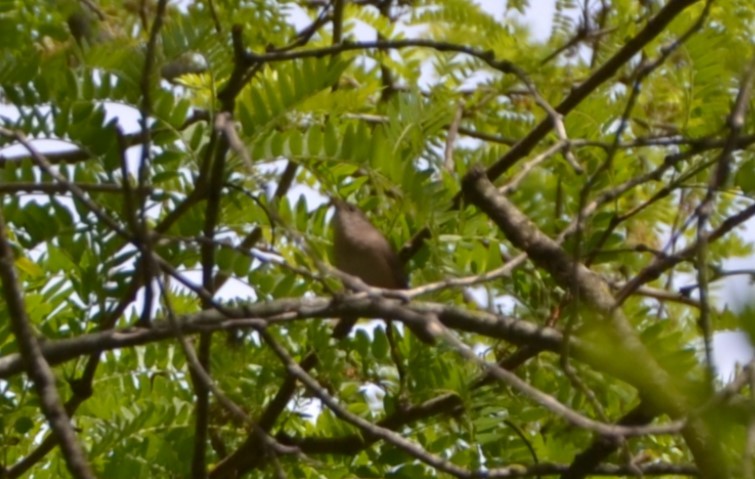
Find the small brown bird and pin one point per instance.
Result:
(361, 250)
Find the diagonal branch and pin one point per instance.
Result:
(367, 427)
(643, 372)
(652, 29)
(35, 365)
(718, 178)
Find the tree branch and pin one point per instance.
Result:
(36, 366)
(643, 372)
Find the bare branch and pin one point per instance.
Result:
(36, 366)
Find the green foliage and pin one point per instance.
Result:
(393, 129)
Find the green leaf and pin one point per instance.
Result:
(23, 425)
(330, 139)
(380, 345)
(314, 141)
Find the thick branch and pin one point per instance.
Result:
(642, 371)
(260, 314)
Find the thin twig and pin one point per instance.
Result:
(552, 404)
(369, 428)
(200, 372)
(705, 209)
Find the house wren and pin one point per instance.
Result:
(361, 250)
